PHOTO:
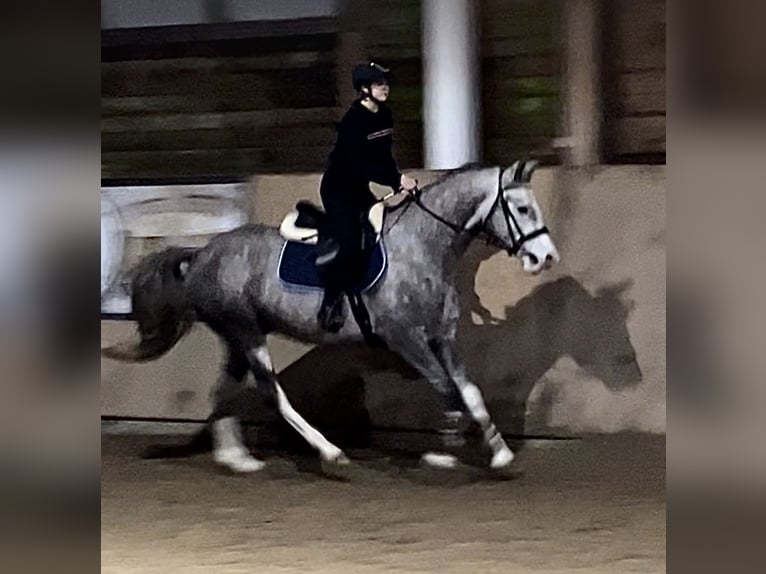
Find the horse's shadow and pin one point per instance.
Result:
(559, 318)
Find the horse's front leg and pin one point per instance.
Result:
(502, 455)
(418, 351)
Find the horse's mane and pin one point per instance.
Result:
(449, 175)
(453, 173)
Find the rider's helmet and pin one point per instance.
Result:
(369, 73)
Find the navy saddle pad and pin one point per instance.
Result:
(296, 267)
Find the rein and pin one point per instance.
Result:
(510, 219)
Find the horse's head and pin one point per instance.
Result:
(511, 216)
(601, 344)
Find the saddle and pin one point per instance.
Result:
(308, 224)
(311, 247)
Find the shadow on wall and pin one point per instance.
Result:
(505, 357)
(560, 318)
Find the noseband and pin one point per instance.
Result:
(511, 222)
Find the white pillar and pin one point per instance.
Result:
(451, 75)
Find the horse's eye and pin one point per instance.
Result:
(523, 210)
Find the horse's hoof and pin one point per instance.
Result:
(502, 459)
(342, 460)
(336, 466)
(238, 460)
(439, 460)
(338, 457)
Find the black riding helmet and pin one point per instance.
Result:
(369, 73)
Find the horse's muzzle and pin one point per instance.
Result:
(531, 263)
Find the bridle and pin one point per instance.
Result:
(518, 238)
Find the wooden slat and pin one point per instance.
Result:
(264, 153)
(381, 19)
(238, 137)
(641, 103)
(266, 118)
(520, 67)
(311, 84)
(532, 126)
(645, 82)
(640, 135)
(388, 53)
(508, 25)
(640, 33)
(239, 47)
(519, 8)
(216, 32)
(507, 150)
(635, 124)
(199, 103)
(520, 87)
(199, 163)
(285, 60)
(528, 46)
(407, 69)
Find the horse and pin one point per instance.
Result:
(232, 285)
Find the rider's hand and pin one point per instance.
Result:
(407, 183)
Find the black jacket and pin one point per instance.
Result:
(362, 152)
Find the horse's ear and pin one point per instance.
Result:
(517, 169)
(527, 170)
(619, 292)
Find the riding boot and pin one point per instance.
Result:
(330, 314)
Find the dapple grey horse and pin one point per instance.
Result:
(232, 286)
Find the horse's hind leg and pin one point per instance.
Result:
(260, 362)
(229, 449)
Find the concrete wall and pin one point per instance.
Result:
(578, 349)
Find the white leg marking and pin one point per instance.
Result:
(502, 456)
(261, 354)
(439, 460)
(327, 450)
(229, 450)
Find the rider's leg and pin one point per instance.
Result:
(344, 219)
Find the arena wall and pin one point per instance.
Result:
(578, 349)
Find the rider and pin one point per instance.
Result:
(362, 154)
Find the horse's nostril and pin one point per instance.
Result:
(533, 259)
(549, 257)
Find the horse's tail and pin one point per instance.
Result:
(160, 305)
